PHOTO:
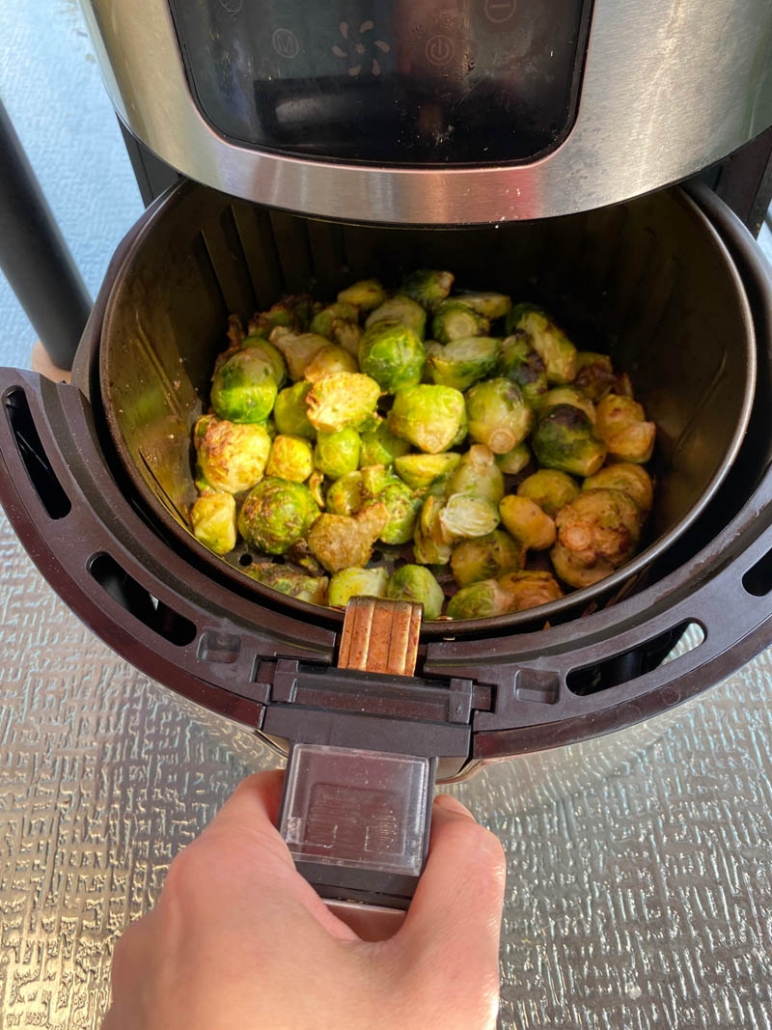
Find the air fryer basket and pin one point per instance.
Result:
(648, 282)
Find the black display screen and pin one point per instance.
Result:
(412, 81)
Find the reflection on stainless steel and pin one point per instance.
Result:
(640, 865)
(668, 89)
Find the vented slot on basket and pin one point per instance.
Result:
(757, 581)
(139, 602)
(629, 665)
(44, 479)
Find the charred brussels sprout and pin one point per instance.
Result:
(290, 313)
(213, 518)
(266, 350)
(244, 388)
(550, 343)
(427, 288)
(595, 375)
(323, 321)
(489, 305)
(464, 517)
(455, 321)
(346, 495)
(366, 294)
(342, 541)
(403, 507)
(599, 530)
(487, 557)
(392, 355)
(291, 458)
(513, 462)
(498, 415)
(530, 589)
(292, 582)
(478, 474)
(341, 400)
(415, 583)
(462, 362)
(519, 362)
(290, 412)
(356, 582)
(481, 600)
(565, 439)
(630, 479)
(232, 457)
(421, 470)
(276, 514)
(381, 447)
(622, 425)
(566, 395)
(328, 360)
(550, 489)
(433, 418)
(400, 309)
(336, 454)
(527, 523)
(298, 350)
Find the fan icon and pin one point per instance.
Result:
(358, 49)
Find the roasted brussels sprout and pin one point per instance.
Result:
(341, 400)
(462, 362)
(290, 313)
(519, 362)
(232, 457)
(600, 530)
(366, 294)
(489, 305)
(292, 582)
(290, 412)
(527, 523)
(342, 541)
(392, 354)
(428, 288)
(421, 470)
(315, 484)
(271, 354)
(244, 388)
(276, 514)
(513, 462)
(481, 600)
(632, 480)
(291, 458)
(498, 415)
(356, 582)
(415, 583)
(623, 427)
(572, 570)
(530, 589)
(487, 557)
(565, 439)
(336, 454)
(328, 360)
(403, 507)
(550, 343)
(595, 376)
(566, 395)
(375, 479)
(298, 349)
(429, 546)
(455, 321)
(346, 495)
(477, 473)
(213, 518)
(381, 447)
(433, 418)
(400, 309)
(550, 489)
(464, 516)
(322, 322)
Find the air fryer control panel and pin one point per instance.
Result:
(405, 82)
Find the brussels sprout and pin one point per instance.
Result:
(480, 600)
(375, 479)
(462, 362)
(281, 314)
(415, 583)
(566, 395)
(565, 439)
(291, 458)
(287, 580)
(213, 518)
(600, 528)
(427, 288)
(346, 495)
(323, 320)
(272, 355)
(400, 309)
(478, 474)
(630, 479)
(316, 485)
(341, 400)
(463, 517)
(244, 389)
(366, 294)
(489, 305)
(498, 415)
(487, 557)
(455, 321)
(342, 541)
(595, 376)
(429, 548)
(623, 427)
(328, 360)
(347, 335)
(513, 462)
(232, 457)
(527, 523)
(519, 362)
(550, 343)
(336, 454)
(433, 418)
(569, 567)
(290, 413)
(298, 349)
(403, 507)
(380, 446)
(392, 354)
(550, 489)
(276, 514)
(530, 589)
(421, 470)
(355, 582)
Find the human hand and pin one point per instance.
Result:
(240, 941)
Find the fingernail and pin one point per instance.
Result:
(450, 804)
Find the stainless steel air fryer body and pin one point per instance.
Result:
(440, 111)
